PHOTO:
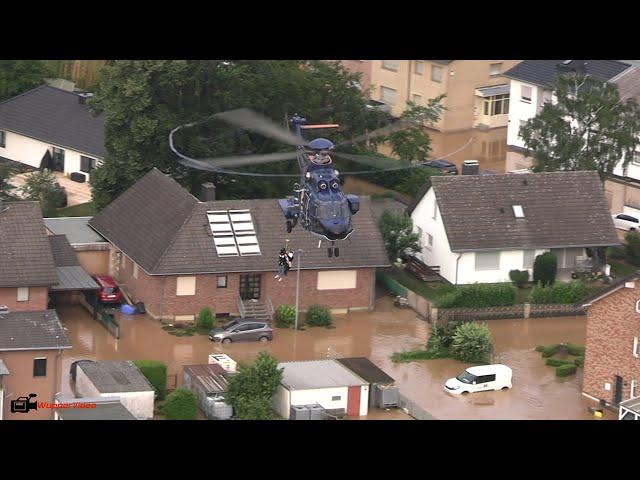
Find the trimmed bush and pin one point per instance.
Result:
(181, 404)
(539, 348)
(576, 350)
(318, 316)
(566, 370)
(550, 350)
(545, 268)
(556, 362)
(156, 373)
(205, 318)
(479, 295)
(472, 343)
(579, 361)
(571, 292)
(519, 277)
(286, 314)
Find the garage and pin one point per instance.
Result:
(73, 279)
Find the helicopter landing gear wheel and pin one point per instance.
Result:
(289, 226)
(330, 252)
(336, 252)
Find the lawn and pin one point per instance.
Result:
(82, 210)
(620, 268)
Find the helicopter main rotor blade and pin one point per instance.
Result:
(394, 127)
(377, 162)
(250, 120)
(243, 160)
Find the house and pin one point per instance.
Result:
(612, 357)
(477, 93)
(91, 249)
(210, 384)
(167, 250)
(48, 127)
(325, 382)
(478, 228)
(31, 347)
(530, 84)
(27, 268)
(121, 379)
(382, 389)
(103, 408)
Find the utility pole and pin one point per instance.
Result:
(299, 252)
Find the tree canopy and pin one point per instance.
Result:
(19, 76)
(397, 233)
(145, 99)
(588, 128)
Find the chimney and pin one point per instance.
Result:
(470, 167)
(82, 97)
(208, 193)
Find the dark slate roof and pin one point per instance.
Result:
(54, 116)
(75, 228)
(562, 209)
(74, 278)
(544, 72)
(115, 377)
(63, 254)
(366, 369)
(32, 331)
(629, 85)
(165, 230)
(25, 252)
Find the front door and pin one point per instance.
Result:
(58, 159)
(617, 393)
(353, 402)
(250, 286)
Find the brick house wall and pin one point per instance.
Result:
(38, 299)
(611, 326)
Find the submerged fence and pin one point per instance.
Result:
(413, 409)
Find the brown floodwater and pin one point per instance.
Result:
(536, 393)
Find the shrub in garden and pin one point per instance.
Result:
(286, 314)
(519, 277)
(205, 318)
(565, 370)
(545, 268)
(576, 350)
(472, 343)
(615, 253)
(539, 348)
(571, 292)
(479, 295)
(318, 316)
(181, 404)
(632, 248)
(156, 373)
(579, 361)
(550, 350)
(556, 362)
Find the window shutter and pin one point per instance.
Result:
(487, 261)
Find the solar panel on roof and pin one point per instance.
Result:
(233, 232)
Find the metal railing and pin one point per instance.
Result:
(270, 308)
(241, 308)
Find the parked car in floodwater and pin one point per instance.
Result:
(443, 165)
(239, 330)
(109, 291)
(478, 379)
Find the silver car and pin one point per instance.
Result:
(242, 331)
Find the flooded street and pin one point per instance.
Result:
(536, 393)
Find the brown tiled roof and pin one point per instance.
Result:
(32, 331)
(562, 209)
(63, 253)
(168, 237)
(25, 253)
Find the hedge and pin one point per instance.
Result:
(181, 404)
(156, 373)
(556, 362)
(550, 350)
(565, 370)
(579, 361)
(479, 296)
(545, 267)
(576, 350)
(571, 292)
(318, 316)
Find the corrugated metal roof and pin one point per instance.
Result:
(73, 278)
(211, 378)
(318, 374)
(76, 229)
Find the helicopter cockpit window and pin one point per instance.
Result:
(333, 210)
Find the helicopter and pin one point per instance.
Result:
(318, 203)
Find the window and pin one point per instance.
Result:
(635, 347)
(222, 281)
(417, 99)
(487, 261)
(418, 68)
(486, 378)
(388, 95)
(58, 159)
(496, 105)
(526, 93)
(495, 69)
(546, 97)
(39, 367)
(430, 240)
(87, 164)
(337, 279)
(528, 257)
(633, 389)
(390, 65)
(23, 294)
(135, 270)
(186, 286)
(518, 211)
(336, 398)
(250, 286)
(3, 139)
(436, 73)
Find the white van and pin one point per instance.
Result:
(478, 379)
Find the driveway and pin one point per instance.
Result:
(536, 393)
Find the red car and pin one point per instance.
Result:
(109, 291)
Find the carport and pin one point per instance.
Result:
(630, 409)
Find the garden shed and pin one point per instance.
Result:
(210, 384)
(382, 389)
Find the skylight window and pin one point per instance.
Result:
(233, 233)
(517, 211)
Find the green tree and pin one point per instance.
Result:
(41, 186)
(398, 236)
(588, 128)
(632, 247)
(205, 318)
(19, 76)
(472, 343)
(181, 404)
(413, 144)
(252, 388)
(545, 267)
(6, 188)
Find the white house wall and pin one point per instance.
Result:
(509, 260)
(521, 111)
(281, 402)
(440, 253)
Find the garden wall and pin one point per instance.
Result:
(522, 311)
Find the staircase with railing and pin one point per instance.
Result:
(256, 310)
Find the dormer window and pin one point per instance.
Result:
(518, 211)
